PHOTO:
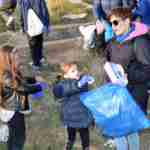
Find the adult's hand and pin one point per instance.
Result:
(99, 27)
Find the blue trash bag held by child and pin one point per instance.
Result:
(114, 110)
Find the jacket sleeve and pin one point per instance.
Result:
(129, 3)
(97, 10)
(28, 86)
(141, 8)
(138, 73)
(139, 70)
(45, 13)
(67, 88)
(21, 16)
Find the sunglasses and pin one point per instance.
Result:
(114, 22)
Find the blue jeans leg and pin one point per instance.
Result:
(121, 143)
(134, 141)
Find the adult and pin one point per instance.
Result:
(34, 22)
(130, 48)
(102, 9)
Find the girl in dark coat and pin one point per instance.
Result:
(74, 114)
(14, 91)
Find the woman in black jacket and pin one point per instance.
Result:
(35, 40)
(14, 91)
(130, 48)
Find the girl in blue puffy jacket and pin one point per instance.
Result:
(75, 116)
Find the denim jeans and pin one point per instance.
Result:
(130, 142)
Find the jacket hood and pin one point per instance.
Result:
(139, 29)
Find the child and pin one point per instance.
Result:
(74, 114)
(14, 92)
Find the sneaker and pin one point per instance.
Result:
(30, 63)
(35, 68)
(110, 143)
(43, 61)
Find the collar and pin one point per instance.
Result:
(122, 37)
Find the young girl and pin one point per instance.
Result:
(14, 91)
(74, 114)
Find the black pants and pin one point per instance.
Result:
(16, 132)
(84, 135)
(36, 47)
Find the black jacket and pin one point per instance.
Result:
(17, 100)
(134, 56)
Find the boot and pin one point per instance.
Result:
(68, 146)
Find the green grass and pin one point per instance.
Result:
(88, 1)
(68, 8)
(2, 25)
(55, 16)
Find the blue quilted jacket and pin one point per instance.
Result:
(73, 112)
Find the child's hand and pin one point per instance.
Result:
(86, 79)
(99, 27)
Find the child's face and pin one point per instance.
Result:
(72, 73)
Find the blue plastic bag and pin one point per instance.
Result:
(114, 110)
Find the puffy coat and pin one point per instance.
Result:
(73, 112)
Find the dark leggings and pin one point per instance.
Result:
(36, 47)
(84, 135)
(16, 132)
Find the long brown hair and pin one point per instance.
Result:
(7, 63)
